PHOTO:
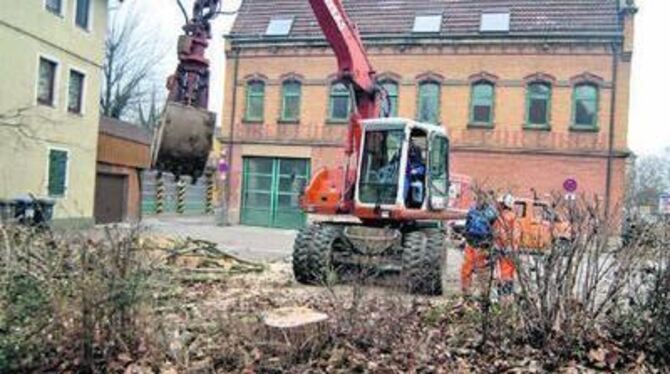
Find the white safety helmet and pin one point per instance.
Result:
(507, 201)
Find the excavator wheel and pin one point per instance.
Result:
(313, 253)
(424, 260)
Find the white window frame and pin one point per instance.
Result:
(67, 172)
(56, 86)
(63, 6)
(88, 27)
(83, 91)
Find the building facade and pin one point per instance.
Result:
(52, 53)
(533, 94)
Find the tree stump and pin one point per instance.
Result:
(295, 330)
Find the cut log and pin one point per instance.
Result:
(296, 330)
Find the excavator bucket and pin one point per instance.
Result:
(183, 140)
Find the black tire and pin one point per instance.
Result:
(312, 254)
(423, 261)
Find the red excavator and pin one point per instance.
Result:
(395, 181)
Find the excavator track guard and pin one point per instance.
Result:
(183, 141)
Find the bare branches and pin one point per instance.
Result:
(132, 53)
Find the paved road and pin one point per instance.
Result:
(251, 243)
(255, 243)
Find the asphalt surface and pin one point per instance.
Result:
(250, 243)
(256, 243)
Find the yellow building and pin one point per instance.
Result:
(50, 76)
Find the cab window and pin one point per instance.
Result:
(381, 166)
(439, 166)
(520, 209)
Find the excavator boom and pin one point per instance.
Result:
(183, 140)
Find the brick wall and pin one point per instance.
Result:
(507, 156)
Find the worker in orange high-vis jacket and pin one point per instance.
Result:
(481, 248)
(479, 237)
(507, 238)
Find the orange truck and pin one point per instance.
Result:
(541, 225)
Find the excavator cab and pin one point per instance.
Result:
(404, 166)
(400, 201)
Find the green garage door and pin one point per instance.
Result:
(271, 191)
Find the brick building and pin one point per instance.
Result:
(531, 92)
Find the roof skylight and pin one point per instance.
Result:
(495, 21)
(427, 23)
(279, 27)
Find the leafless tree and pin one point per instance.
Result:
(651, 177)
(148, 114)
(133, 52)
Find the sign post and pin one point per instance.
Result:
(664, 204)
(570, 186)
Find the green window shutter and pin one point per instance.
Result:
(481, 108)
(585, 105)
(391, 89)
(255, 109)
(429, 102)
(339, 103)
(538, 104)
(291, 94)
(57, 172)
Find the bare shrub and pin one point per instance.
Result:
(69, 303)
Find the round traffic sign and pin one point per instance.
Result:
(570, 185)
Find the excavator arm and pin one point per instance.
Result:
(184, 138)
(183, 141)
(354, 67)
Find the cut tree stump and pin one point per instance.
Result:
(295, 330)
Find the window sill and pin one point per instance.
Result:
(288, 121)
(577, 128)
(483, 126)
(47, 105)
(86, 30)
(76, 114)
(336, 121)
(537, 127)
(60, 14)
(250, 121)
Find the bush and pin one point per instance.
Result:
(69, 303)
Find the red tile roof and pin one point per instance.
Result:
(460, 17)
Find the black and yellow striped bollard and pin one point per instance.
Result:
(181, 196)
(209, 207)
(160, 194)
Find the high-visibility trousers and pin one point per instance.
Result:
(477, 261)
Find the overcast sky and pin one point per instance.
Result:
(649, 122)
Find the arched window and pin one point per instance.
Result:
(255, 101)
(391, 88)
(481, 103)
(429, 102)
(538, 104)
(340, 104)
(585, 105)
(291, 93)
